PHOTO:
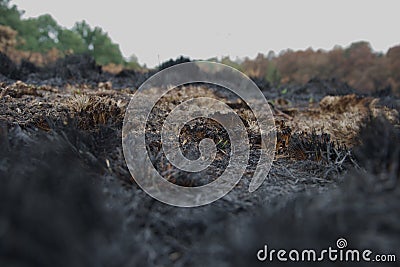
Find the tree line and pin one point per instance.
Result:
(358, 65)
(43, 34)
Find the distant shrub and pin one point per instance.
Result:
(172, 62)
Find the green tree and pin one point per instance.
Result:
(41, 33)
(85, 32)
(29, 35)
(10, 15)
(104, 50)
(71, 41)
(48, 28)
(99, 44)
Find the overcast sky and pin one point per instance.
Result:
(158, 30)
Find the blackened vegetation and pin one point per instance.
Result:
(316, 147)
(26, 68)
(7, 67)
(51, 209)
(379, 155)
(314, 90)
(72, 69)
(261, 83)
(363, 209)
(190, 137)
(67, 198)
(77, 67)
(311, 146)
(173, 62)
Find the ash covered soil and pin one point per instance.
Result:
(68, 199)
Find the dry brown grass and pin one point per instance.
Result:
(341, 116)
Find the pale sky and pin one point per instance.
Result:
(158, 30)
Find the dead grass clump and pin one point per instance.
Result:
(342, 116)
(92, 111)
(316, 147)
(308, 146)
(362, 105)
(19, 89)
(340, 104)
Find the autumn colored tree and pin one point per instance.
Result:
(393, 65)
(358, 65)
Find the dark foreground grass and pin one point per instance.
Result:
(61, 207)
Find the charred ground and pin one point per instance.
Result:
(67, 197)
